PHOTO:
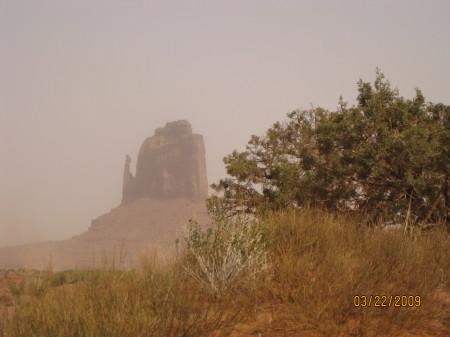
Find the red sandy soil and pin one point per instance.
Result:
(9, 278)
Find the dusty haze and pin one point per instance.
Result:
(85, 82)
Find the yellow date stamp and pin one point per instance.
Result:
(385, 301)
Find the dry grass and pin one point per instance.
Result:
(321, 261)
(153, 300)
(318, 263)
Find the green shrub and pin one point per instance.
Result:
(231, 250)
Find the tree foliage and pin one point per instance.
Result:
(386, 157)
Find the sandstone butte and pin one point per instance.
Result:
(170, 187)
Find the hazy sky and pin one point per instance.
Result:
(84, 82)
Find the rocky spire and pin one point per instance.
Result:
(127, 177)
(170, 164)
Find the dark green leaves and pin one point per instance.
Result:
(379, 158)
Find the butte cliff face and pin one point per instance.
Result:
(170, 164)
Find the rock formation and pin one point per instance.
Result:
(170, 164)
(169, 188)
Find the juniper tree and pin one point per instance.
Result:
(386, 157)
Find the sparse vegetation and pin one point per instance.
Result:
(305, 262)
(153, 300)
(319, 262)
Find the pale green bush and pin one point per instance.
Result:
(230, 251)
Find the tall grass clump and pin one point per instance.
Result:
(231, 251)
(321, 261)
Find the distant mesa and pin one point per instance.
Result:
(170, 164)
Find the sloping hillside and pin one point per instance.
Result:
(118, 235)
